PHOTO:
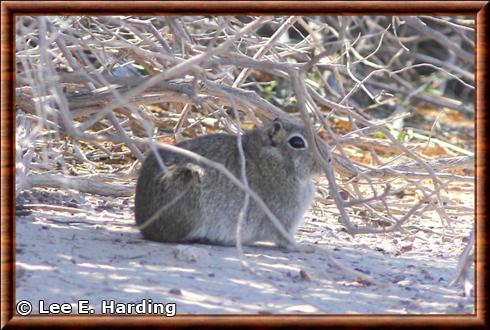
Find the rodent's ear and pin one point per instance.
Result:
(275, 131)
(277, 125)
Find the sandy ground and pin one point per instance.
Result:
(98, 254)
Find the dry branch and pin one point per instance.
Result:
(82, 184)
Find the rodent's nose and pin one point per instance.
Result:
(322, 148)
(317, 167)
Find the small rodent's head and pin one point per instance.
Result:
(286, 142)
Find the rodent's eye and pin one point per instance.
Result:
(297, 142)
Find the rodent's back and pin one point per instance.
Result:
(179, 185)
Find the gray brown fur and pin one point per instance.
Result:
(208, 208)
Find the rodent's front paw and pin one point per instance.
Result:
(300, 248)
(306, 248)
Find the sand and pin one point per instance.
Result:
(96, 255)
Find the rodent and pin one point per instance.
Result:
(198, 204)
